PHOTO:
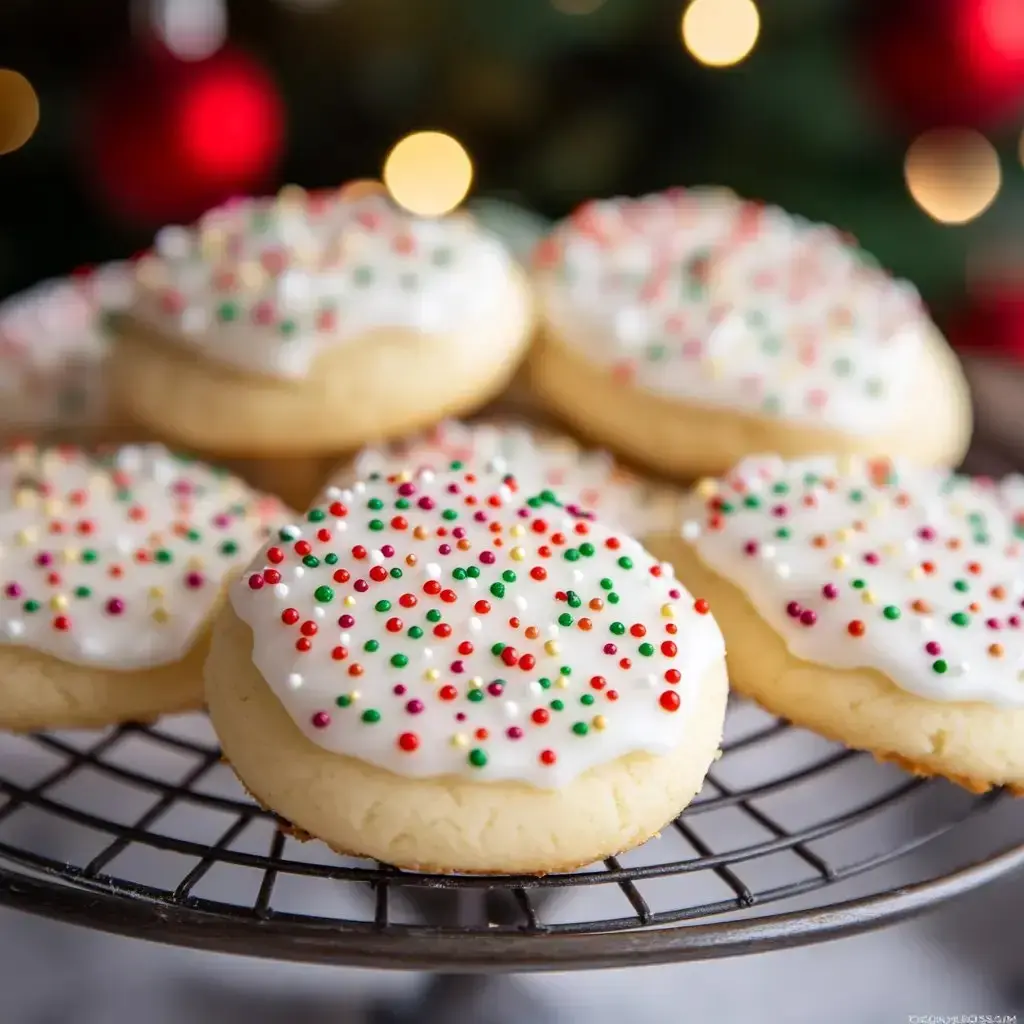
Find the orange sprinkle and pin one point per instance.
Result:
(596, 604)
(996, 650)
(921, 606)
(928, 567)
(820, 541)
(532, 632)
(420, 533)
(585, 624)
(998, 593)
(974, 567)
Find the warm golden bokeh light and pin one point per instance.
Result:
(720, 33)
(19, 110)
(953, 174)
(429, 173)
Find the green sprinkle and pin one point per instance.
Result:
(752, 501)
(571, 555)
(475, 696)
(473, 572)
(618, 628)
(646, 649)
(625, 562)
(376, 525)
(890, 611)
(572, 599)
(362, 276)
(458, 574)
(960, 619)
(370, 716)
(331, 558)
(163, 556)
(508, 576)
(940, 667)
(580, 728)
(229, 547)
(783, 533)
(449, 514)
(613, 598)
(587, 699)
(856, 496)
(316, 515)
(497, 648)
(725, 507)
(557, 705)
(498, 589)
(382, 606)
(587, 549)
(780, 488)
(227, 311)
(477, 758)
(324, 594)
(194, 535)
(343, 701)
(859, 584)
(31, 606)
(961, 585)
(545, 683)
(311, 560)
(371, 646)
(89, 555)
(399, 660)
(606, 584)
(415, 632)
(433, 615)
(402, 504)
(83, 592)
(287, 533)
(565, 619)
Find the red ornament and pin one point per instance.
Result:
(946, 62)
(167, 139)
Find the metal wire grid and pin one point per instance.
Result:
(507, 910)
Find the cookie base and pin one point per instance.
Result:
(687, 440)
(38, 691)
(379, 386)
(975, 745)
(447, 825)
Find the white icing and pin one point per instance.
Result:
(140, 527)
(268, 284)
(591, 479)
(53, 349)
(496, 539)
(698, 295)
(925, 545)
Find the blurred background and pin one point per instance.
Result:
(898, 120)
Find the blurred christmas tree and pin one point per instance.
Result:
(826, 107)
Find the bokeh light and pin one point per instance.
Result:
(720, 33)
(190, 29)
(577, 6)
(19, 110)
(953, 174)
(428, 173)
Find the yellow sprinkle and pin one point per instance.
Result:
(844, 534)
(160, 614)
(599, 722)
(517, 554)
(156, 591)
(26, 498)
(868, 598)
(517, 530)
(668, 611)
(476, 682)
(195, 562)
(890, 549)
(58, 602)
(53, 506)
(431, 675)
(879, 508)
(70, 554)
(707, 488)
(27, 535)
(349, 601)
(551, 647)
(916, 572)
(713, 368)
(355, 694)
(845, 464)
(251, 275)
(459, 740)
(562, 682)
(404, 477)
(841, 561)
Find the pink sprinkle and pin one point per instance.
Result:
(361, 586)
(487, 557)
(12, 590)
(195, 580)
(926, 533)
(675, 593)
(793, 609)
(346, 621)
(222, 520)
(513, 732)
(480, 516)
(610, 649)
(458, 666)
(523, 513)
(460, 716)
(495, 689)
(414, 707)
(933, 647)
(453, 488)
(808, 618)
(321, 720)
(444, 549)
(750, 547)
(255, 581)
(407, 490)
(779, 511)
(1014, 621)
(992, 623)
(387, 551)
(830, 590)
(871, 558)
(426, 502)
(459, 532)
(115, 606)
(398, 689)
(44, 558)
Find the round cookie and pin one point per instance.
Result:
(307, 325)
(875, 602)
(540, 460)
(447, 673)
(111, 568)
(53, 349)
(691, 329)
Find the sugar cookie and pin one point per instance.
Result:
(111, 569)
(875, 602)
(691, 329)
(443, 672)
(311, 324)
(53, 349)
(539, 459)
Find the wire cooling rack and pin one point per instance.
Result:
(145, 832)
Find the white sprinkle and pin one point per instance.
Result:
(690, 530)
(346, 495)
(433, 570)
(345, 638)
(428, 653)
(340, 525)
(498, 464)
(281, 590)
(536, 689)
(651, 681)
(359, 487)
(782, 570)
(577, 576)
(376, 556)
(520, 603)
(123, 544)
(910, 545)
(333, 493)
(427, 475)
(294, 681)
(553, 631)
(319, 612)
(475, 625)
(472, 584)
(511, 709)
(926, 624)
(767, 552)
(14, 628)
(298, 571)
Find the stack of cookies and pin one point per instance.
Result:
(484, 647)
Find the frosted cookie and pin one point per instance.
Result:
(877, 603)
(539, 459)
(110, 569)
(53, 349)
(311, 324)
(691, 329)
(445, 672)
